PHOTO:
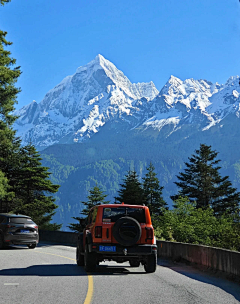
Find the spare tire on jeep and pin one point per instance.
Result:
(127, 231)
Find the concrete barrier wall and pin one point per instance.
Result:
(58, 237)
(214, 258)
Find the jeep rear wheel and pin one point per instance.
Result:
(89, 260)
(151, 264)
(127, 231)
(79, 257)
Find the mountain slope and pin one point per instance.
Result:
(81, 104)
(106, 161)
(195, 102)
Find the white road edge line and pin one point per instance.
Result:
(11, 284)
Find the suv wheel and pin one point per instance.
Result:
(151, 264)
(79, 257)
(127, 231)
(31, 246)
(1, 242)
(89, 260)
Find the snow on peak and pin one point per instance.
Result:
(110, 70)
(225, 100)
(236, 93)
(233, 80)
(101, 60)
(190, 93)
(99, 92)
(83, 102)
(174, 81)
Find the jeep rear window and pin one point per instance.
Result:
(113, 214)
(20, 220)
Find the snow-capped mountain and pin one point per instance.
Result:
(98, 94)
(81, 104)
(193, 102)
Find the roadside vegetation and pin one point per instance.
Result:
(188, 224)
(206, 207)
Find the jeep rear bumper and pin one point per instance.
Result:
(119, 250)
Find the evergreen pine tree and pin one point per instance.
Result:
(8, 92)
(76, 227)
(153, 192)
(131, 191)
(96, 197)
(3, 186)
(201, 182)
(32, 188)
(9, 144)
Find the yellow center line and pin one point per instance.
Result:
(90, 278)
(90, 290)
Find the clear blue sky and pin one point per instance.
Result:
(147, 40)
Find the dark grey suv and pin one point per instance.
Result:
(18, 229)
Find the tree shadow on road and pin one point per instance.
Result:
(47, 270)
(203, 275)
(50, 270)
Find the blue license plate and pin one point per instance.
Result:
(107, 248)
(25, 231)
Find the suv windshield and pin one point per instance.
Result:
(20, 220)
(113, 214)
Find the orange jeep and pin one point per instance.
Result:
(119, 233)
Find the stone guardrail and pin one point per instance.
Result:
(210, 257)
(58, 237)
(213, 258)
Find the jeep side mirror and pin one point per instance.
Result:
(83, 222)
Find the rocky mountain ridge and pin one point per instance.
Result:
(99, 94)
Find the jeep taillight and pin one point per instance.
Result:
(10, 226)
(98, 231)
(149, 233)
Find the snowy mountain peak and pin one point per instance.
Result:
(99, 94)
(174, 81)
(97, 63)
(99, 59)
(105, 68)
(232, 81)
(82, 103)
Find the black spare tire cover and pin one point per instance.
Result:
(127, 231)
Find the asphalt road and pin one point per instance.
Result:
(49, 274)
